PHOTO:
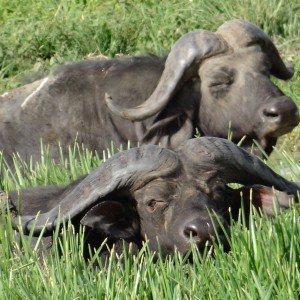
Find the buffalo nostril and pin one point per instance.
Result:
(271, 113)
(198, 233)
(283, 112)
(191, 232)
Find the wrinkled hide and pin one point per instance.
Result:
(170, 197)
(209, 81)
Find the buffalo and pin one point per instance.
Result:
(209, 82)
(170, 197)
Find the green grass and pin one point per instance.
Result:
(35, 36)
(263, 264)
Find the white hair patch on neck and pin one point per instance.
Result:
(4, 94)
(34, 92)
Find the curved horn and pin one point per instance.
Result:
(241, 34)
(132, 169)
(182, 63)
(221, 158)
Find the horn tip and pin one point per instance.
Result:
(290, 67)
(107, 98)
(115, 109)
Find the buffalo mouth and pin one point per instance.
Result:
(268, 140)
(220, 240)
(259, 146)
(282, 130)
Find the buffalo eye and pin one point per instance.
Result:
(220, 86)
(219, 91)
(153, 204)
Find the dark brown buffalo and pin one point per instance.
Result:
(209, 81)
(171, 197)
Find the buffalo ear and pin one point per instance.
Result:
(112, 218)
(169, 131)
(175, 123)
(267, 199)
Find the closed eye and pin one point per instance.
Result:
(220, 84)
(220, 89)
(227, 80)
(222, 77)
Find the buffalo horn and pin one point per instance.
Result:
(129, 169)
(219, 159)
(241, 34)
(182, 64)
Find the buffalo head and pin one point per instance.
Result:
(231, 69)
(171, 197)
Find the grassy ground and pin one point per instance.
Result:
(35, 36)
